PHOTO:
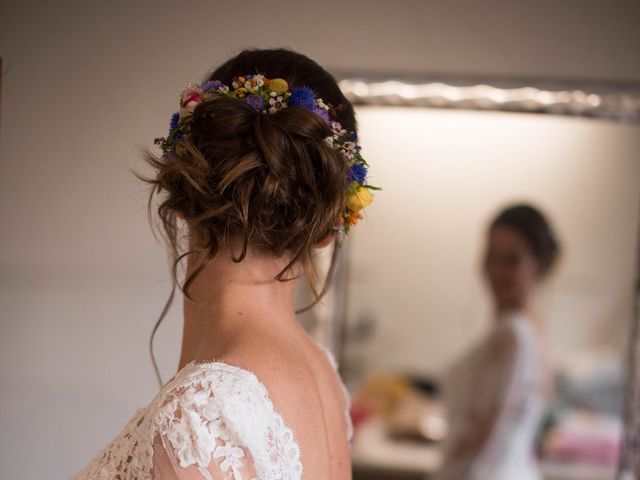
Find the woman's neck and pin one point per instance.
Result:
(231, 298)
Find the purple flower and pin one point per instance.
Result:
(212, 85)
(171, 156)
(255, 101)
(357, 172)
(322, 113)
(302, 97)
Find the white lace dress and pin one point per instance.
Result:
(212, 421)
(496, 400)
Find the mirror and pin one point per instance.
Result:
(417, 295)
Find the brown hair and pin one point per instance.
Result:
(534, 227)
(269, 180)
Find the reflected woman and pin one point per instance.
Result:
(498, 391)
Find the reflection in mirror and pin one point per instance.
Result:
(462, 340)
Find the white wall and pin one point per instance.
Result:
(416, 261)
(81, 278)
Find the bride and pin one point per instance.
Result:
(262, 167)
(498, 391)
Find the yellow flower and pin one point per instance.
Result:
(360, 199)
(278, 85)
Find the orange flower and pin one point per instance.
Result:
(353, 218)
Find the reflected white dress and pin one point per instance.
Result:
(212, 421)
(495, 399)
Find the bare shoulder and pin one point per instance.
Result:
(297, 376)
(306, 391)
(277, 362)
(291, 368)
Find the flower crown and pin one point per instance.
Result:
(269, 96)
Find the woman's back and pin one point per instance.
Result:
(271, 408)
(304, 387)
(496, 399)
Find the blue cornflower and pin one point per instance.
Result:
(173, 123)
(302, 97)
(358, 172)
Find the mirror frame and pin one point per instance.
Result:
(617, 101)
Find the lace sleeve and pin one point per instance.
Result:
(489, 393)
(477, 391)
(218, 423)
(221, 461)
(517, 400)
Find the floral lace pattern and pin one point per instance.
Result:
(208, 412)
(208, 407)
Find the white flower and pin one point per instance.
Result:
(276, 103)
(320, 103)
(253, 85)
(191, 439)
(232, 455)
(347, 154)
(336, 127)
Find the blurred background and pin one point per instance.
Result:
(82, 279)
(417, 297)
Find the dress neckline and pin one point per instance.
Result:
(229, 366)
(195, 366)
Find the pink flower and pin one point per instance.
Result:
(190, 97)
